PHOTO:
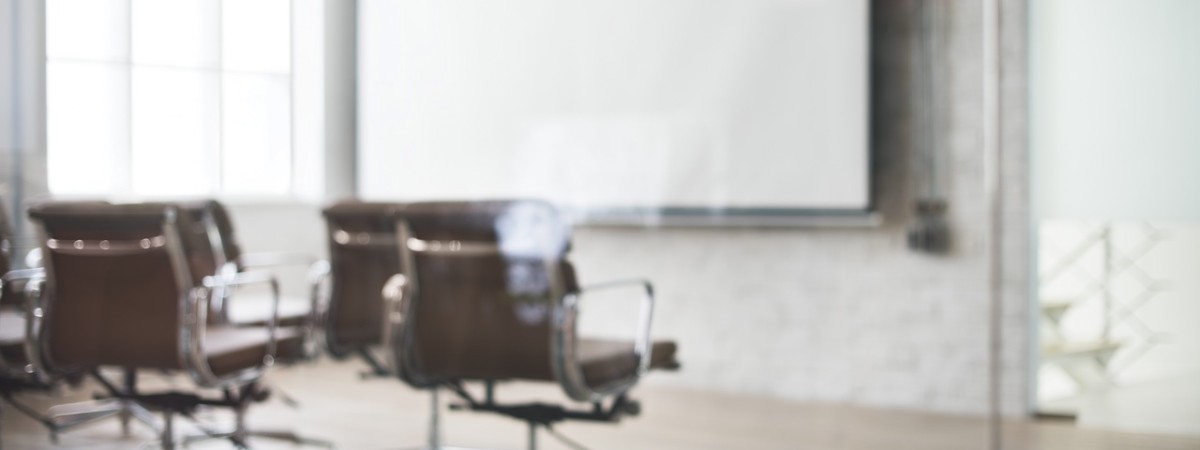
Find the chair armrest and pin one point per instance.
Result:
(192, 340)
(569, 370)
(641, 344)
(240, 279)
(33, 259)
(231, 279)
(23, 275)
(393, 321)
(275, 259)
(31, 306)
(319, 274)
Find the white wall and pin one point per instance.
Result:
(1115, 98)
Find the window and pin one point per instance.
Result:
(153, 98)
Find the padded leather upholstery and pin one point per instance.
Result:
(605, 361)
(248, 308)
(489, 315)
(121, 308)
(202, 259)
(12, 337)
(230, 349)
(471, 319)
(12, 327)
(358, 272)
(12, 320)
(224, 222)
(117, 310)
(6, 241)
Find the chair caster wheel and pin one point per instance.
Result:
(632, 407)
(261, 394)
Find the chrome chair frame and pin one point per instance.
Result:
(31, 278)
(566, 366)
(15, 379)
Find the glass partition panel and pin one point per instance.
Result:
(1115, 94)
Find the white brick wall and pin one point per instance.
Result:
(850, 315)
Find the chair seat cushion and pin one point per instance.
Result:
(605, 361)
(12, 337)
(256, 310)
(230, 349)
(12, 327)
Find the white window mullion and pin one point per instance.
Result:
(291, 98)
(148, 98)
(218, 169)
(123, 163)
(308, 99)
(257, 89)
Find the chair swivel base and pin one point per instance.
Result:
(61, 418)
(185, 404)
(68, 416)
(533, 414)
(240, 439)
(543, 413)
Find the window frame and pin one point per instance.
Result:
(216, 185)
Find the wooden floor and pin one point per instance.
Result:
(383, 413)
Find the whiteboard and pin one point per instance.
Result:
(708, 104)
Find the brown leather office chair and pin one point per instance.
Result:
(19, 309)
(362, 257)
(488, 294)
(122, 291)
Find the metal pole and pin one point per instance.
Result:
(1107, 288)
(993, 190)
(532, 436)
(18, 176)
(435, 440)
(168, 433)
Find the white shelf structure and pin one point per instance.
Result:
(1091, 266)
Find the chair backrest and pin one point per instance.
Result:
(6, 240)
(223, 222)
(484, 281)
(200, 236)
(117, 280)
(7, 292)
(362, 257)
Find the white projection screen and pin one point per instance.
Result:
(643, 105)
